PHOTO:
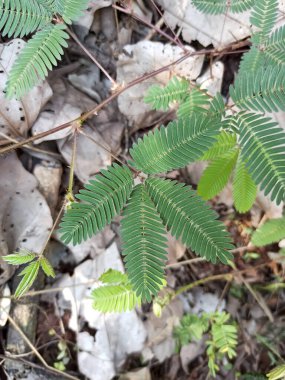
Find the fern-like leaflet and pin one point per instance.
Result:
(70, 10)
(105, 197)
(217, 175)
(38, 56)
(222, 6)
(116, 294)
(182, 142)
(195, 102)
(271, 232)
(264, 15)
(262, 145)
(160, 97)
(189, 218)
(20, 18)
(244, 188)
(266, 95)
(144, 244)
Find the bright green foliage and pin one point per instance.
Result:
(244, 189)
(189, 218)
(222, 6)
(217, 107)
(266, 95)
(271, 232)
(19, 18)
(191, 328)
(225, 159)
(277, 373)
(104, 198)
(112, 276)
(41, 53)
(195, 102)
(223, 335)
(223, 340)
(116, 294)
(29, 274)
(252, 61)
(160, 97)
(262, 148)
(46, 267)
(144, 244)
(264, 15)
(182, 142)
(70, 10)
(24, 256)
(225, 142)
(217, 175)
(37, 57)
(274, 47)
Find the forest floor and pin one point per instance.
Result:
(55, 325)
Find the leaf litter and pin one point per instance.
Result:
(105, 343)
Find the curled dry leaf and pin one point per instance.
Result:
(25, 217)
(145, 57)
(18, 116)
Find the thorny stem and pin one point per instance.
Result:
(91, 56)
(72, 167)
(115, 94)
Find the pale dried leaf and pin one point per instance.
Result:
(145, 57)
(25, 217)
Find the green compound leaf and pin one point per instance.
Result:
(24, 256)
(217, 175)
(195, 102)
(160, 97)
(70, 10)
(264, 15)
(222, 6)
(251, 61)
(144, 244)
(113, 276)
(46, 267)
(266, 95)
(29, 274)
(115, 297)
(244, 188)
(225, 142)
(274, 48)
(20, 18)
(38, 56)
(104, 198)
(174, 147)
(262, 148)
(189, 218)
(277, 373)
(270, 232)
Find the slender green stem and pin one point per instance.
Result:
(217, 277)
